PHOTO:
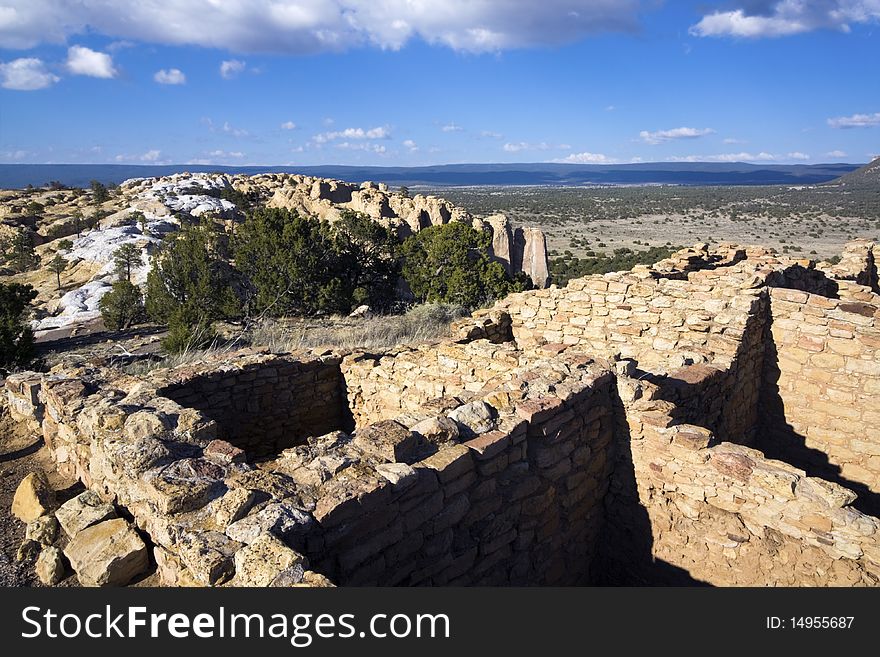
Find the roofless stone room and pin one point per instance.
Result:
(709, 419)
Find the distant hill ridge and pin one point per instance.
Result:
(668, 173)
(867, 176)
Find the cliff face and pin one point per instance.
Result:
(518, 249)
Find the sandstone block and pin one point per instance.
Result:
(268, 562)
(50, 566)
(474, 418)
(82, 511)
(107, 554)
(43, 530)
(33, 497)
(274, 518)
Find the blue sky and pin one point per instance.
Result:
(411, 82)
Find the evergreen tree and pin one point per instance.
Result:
(16, 337)
(57, 266)
(451, 264)
(189, 286)
(125, 258)
(122, 306)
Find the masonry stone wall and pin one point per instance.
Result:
(267, 406)
(518, 505)
(686, 509)
(821, 406)
(502, 485)
(608, 432)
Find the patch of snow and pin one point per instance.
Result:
(193, 195)
(76, 307)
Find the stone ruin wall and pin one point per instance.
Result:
(480, 460)
(267, 406)
(685, 509)
(822, 389)
(511, 497)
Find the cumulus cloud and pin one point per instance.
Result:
(85, 61)
(451, 127)
(151, 155)
(170, 76)
(855, 121)
(379, 132)
(26, 74)
(585, 158)
(490, 134)
(763, 156)
(836, 153)
(226, 154)
(231, 68)
(522, 146)
(361, 146)
(308, 26)
(777, 18)
(410, 145)
(288, 125)
(14, 155)
(661, 136)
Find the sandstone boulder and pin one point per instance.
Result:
(474, 418)
(82, 511)
(389, 441)
(437, 430)
(50, 566)
(268, 562)
(43, 530)
(274, 518)
(33, 497)
(107, 554)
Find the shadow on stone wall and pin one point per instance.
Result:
(625, 548)
(778, 439)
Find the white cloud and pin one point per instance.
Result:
(14, 155)
(410, 145)
(288, 125)
(777, 18)
(733, 140)
(231, 68)
(170, 76)
(585, 158)
(797, 155)
(26, 74)
(836, 153)
(151, 156)
(516, 147)
(379, 132)
(308, 26)
(489, 134)
(235, 132)
(855, 121)
(361, 146)
(661, 136)
(85, 61)
(226, 154)
(451, 127)
(763, 156)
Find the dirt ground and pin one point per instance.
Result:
(656, 230)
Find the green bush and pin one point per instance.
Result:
(122, 306)
(18, 251)
(16, 337)
(189, 286)
(302, 266)
(451, 264)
